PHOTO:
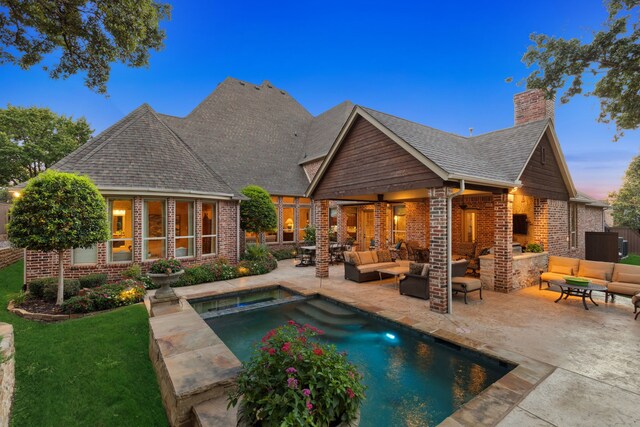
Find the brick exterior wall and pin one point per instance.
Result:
(503, 237)
(558, 227)
(541, 222)
(531, 106)
(322, 237)
(311, 168)
(380, 221)
(10, 255)
(417, 222)
(483, 205)
(589, 219)
(41, 264)
(438, 249)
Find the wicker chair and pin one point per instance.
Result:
(415, 285)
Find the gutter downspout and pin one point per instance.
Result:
(449, 209)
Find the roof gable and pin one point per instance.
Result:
(324, 130)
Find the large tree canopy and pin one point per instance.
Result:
(610, 63)
(32, 139)
(626, 202)
(58, 211)
(89, 35)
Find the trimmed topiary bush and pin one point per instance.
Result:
(36, 286)
(93, 280)
(50, 290)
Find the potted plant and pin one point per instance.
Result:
(164, 273)
(291, 380)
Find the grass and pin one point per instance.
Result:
(632, 259)
(93, 371)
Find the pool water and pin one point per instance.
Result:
(240, 301)
(411, 379)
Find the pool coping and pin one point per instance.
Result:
(487, 408)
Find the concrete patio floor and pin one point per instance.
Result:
(595, 353)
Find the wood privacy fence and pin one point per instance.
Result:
(630, 235)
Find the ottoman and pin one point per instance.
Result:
(466, 285)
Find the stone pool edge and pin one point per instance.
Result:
(486, 409)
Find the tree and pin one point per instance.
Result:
(626, 202)
(32, 139)
(610, 62)
(58, 211)
(258, 214)
(86, 35)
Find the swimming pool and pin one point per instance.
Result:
(412, 379)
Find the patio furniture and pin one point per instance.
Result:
(307, 255)
(363, 266)
(462, 283)
(415, 285)
(635, 300)
(396, 272)
(412, 245)
(421, 254)
(582, 291)
(336, 253)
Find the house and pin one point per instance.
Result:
(173, 184)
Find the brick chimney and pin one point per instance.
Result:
(531, 106)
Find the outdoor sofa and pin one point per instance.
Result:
(363, 266)
(619, 279)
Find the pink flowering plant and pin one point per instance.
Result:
(293, 380)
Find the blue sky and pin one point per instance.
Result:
(443, 64)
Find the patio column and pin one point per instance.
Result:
(321, 213)
(138, 206)
(438, 249)
(380, 223)
(541, 222)
(503, 239)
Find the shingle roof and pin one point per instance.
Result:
(499, 155)
(324, 130)
(250, 135)
(140, 151)
(590, 201)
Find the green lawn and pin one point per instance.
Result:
(631, 259)
(93, 371)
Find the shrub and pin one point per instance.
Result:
(196, 275)
(50, 290)
(106, 297)
(285, 253)
(36, 286)
(132, 272)
(293, 380)
(93, 280)
(309, 235)
(256, 252)
(222, 270)
(165, 266)
(77, 304)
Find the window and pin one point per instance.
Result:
(250, 237)
(304, 219)
(352, 222)
(274, 199)
(573, 225)
(209, 228)
(399, 224)
(469, 226)
(333, 224)
(185, 233)
(286, 199)
(304, 201)
(272, 235)
(288, 224)
(84, 255)
(120, 245)
(154, 230)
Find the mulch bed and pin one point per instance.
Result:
(40, 306)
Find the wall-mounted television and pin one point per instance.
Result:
(520, 224)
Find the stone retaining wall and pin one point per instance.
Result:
(7, 372)
(10, 255)
(526, 270)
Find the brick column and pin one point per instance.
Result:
(438, 249)
(197, 217)
(342, 225)
(379, 223)
(171, 228)
(541, 222)
(503, 239)
(417, 219)
(228, 230)
(138, 244)
(322, 237)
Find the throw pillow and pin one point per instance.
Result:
(365, 257)
(425, 270)
(355, 259)
(384, 255)
(592, 273)
(561, 269)
(374, 255)
(629, 278)
(416, 268)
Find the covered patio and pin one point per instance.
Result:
(374, 167)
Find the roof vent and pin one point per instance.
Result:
(282, 92)
(257, 87)
(242, 83)
(470, 131)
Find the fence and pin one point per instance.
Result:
(630, 235)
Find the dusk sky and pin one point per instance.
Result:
(442, 64)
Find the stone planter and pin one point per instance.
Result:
(165, 292)
(242, 419)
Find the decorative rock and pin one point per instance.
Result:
(7, 372)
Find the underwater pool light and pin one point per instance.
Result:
(390, 336)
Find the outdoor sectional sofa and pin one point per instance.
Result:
(619, 279)
(363, 266)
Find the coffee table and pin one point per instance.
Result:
(396, 272)
(583, 292)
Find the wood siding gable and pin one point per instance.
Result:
(542, 176)
(368, 162)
